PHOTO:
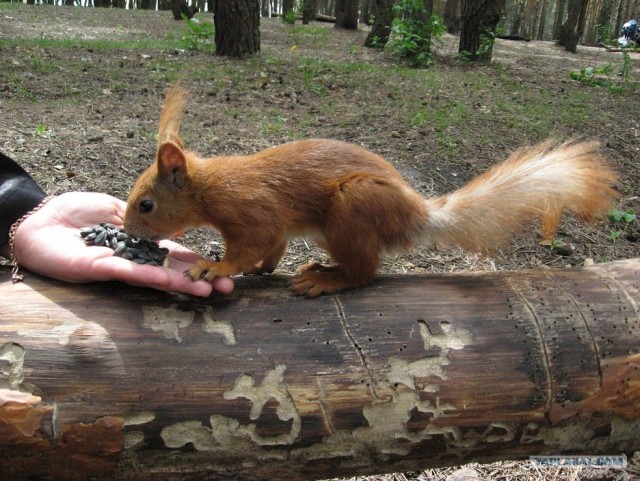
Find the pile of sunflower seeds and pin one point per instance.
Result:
(140, 251)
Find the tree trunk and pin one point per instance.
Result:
(452, 14)
(590, 33)
(620, 19)
(287, 10)
(605, 22)
(561, 8)
(180, 7)
(365, 12)
(518, 16)
(108, 381)
(479, 21)
(540, 20)
(381, 29)
(347, 14)
(309, 10)
(571, 29)
(237, 26)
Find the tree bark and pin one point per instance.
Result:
(605, 20)
(237, 26)
(516, 24)
(381, 29)
(452, 16)
(571, 30)
(347, 14)
(287, 10)
(561, 8)
(309, 10)
(365, 12)
(479, 21)
(181, 7)
(542, 13)
(109, 381)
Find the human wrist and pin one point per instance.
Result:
(13, 234)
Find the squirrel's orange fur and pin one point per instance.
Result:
(353, 202)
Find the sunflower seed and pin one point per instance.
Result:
(141, 251)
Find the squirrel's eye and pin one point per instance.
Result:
(146, 206)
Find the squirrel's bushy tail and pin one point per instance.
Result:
(537, 182)
(169, 129)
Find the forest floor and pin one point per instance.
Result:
(81, 92)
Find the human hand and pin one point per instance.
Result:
(48, 242)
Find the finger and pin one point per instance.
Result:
(115, 268)
(223, 284)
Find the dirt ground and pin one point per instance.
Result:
(79, 115)
(83, 117)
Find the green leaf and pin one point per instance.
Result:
(617, 215)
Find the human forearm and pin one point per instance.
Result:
(19, 194)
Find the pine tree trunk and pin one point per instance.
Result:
(479, 21)
(309, 10)
(452, 15)
(571, 30)
(604, 19)
(287, 7)
(381, 29)
(561, 8)
(237, 25)
(540, 20)
(108, 381)
(516, 25)
(347, 14)
(365, 12)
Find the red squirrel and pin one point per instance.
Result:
(351, 201)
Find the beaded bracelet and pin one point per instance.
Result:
(15, 277)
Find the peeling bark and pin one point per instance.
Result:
(109, 381)
(237, 27)
(30, 448)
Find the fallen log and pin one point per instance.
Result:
(620, 49)
(108, 381)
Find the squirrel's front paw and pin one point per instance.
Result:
(207, 270)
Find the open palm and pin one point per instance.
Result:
(48, 242)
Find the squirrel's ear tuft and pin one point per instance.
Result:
(172, 164)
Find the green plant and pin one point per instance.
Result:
(199, 33)
(483, 53)
(317, 35)
(622, 218)
(627, 66)
(591, 75)
(41, 130)
(311, 67)
(289, 17)
(602, 76)
(555, 243)
(271, 126)
(615, 235)
(38, 64)
(603, 34)
(412, 32)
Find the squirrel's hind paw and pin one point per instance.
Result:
(313, 283)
